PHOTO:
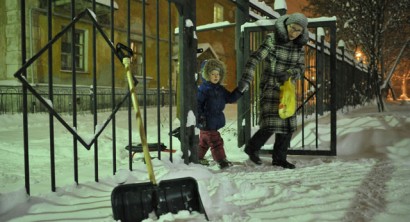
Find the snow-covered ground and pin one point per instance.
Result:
(368, 180)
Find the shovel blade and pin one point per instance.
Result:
(133, 202)
(179, 194)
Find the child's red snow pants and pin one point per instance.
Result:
(211, 139)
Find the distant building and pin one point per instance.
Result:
(37, 37)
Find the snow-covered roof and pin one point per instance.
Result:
(280, 4)
(106, 3)
(210, 26)
(262, 6)
(269, 22)
(205, 46)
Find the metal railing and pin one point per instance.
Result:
(72, 98)
(11, 99)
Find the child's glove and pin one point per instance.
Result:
(201, 122)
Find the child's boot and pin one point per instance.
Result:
(204, 162)
(224, 164)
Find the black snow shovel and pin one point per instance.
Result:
(134, 202)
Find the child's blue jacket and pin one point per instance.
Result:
(212, 99)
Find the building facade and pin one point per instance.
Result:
(219, 42)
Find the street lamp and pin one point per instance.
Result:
(359, 56)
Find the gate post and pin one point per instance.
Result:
(187, 68)
(243, 111)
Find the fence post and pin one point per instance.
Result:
(187, 48)
(342, 78)
(333, 89)
(320, 61)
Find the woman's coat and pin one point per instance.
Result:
(280, 55)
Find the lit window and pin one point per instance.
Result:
(218, 13)
(79, 44)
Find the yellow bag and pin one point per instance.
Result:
(287, 94)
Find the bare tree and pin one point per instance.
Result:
(378, 27)
(402, 79)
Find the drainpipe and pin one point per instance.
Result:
(39, 10)
(31, 44)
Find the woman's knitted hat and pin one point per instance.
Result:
(297, 18)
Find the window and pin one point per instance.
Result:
(218, 13)
(79, 44)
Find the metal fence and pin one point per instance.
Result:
(30, 98)
(74, 98)
(11, 99)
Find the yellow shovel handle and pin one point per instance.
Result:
(126, 61)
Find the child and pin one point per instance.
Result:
(212, 97)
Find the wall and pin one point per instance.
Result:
(12, 56)
(296, 6)
(3, 44)
(222, 41)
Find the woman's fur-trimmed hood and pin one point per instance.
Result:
(214, 64)
(282, 32)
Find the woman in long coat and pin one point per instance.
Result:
(283, 53)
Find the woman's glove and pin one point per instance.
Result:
(282, 76)
(243, 86)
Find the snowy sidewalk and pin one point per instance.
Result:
(367, 181)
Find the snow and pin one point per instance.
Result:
(205, 46)
(188, 23)
(280, 4)
(92, 13)
(320, 32)
(256, 16)
(264, 7)
(215, 25)
(341, 43)
(270, 22)
(191, 119)
(368, 180)
(107, 3)
(49, 102)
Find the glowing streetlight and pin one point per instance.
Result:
(358, 56)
